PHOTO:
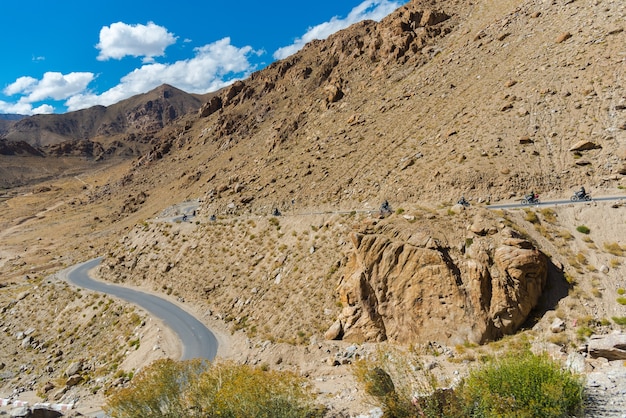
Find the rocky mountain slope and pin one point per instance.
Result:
(438, 100)
(81, 138)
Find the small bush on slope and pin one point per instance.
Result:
(194, 388)
(522, 385)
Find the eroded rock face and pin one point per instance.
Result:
(414, 286)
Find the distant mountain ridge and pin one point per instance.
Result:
(34, 148)
(11, 116)
(139, 114)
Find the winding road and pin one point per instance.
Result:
(197, 340)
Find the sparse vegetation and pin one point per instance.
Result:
(197, 388)
(519, 384)
(614, 248)
(619, 320)
(549, 215)
(583, 229)
(531, 216)
(523, 385)
(565, 234)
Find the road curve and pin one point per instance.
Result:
(197, 340)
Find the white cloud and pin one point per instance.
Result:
(213, 67)
(23, 108)
(45, 108)
(53, 85)
(368, 10)
(20, 85)
(120, 40)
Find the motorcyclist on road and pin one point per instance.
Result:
(463, 202)
(385, 209)
(581, 193)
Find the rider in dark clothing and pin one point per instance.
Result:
(385, 209)
(582, 192)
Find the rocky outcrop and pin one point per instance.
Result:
(17, 148)
(611, 347)
(411, 286)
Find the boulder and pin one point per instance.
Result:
(74, 368)
(73, 380)
(584, 145)
(563, 37)
(21, 411)
(411, 286)
(335, 332)
(210, 107)
(611, 347)
(558, 325)
(482, 225)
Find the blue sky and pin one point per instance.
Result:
(65, 55)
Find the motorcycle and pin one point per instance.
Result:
(578, 196)
(463, 202)
(531, 200)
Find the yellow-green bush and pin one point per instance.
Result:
(521, 385)
(195, 388)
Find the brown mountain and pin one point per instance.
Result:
(440, 99)
(120, 131)
(139, 114)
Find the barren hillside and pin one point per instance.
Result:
(440, 99)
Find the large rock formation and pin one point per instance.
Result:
(414, 286)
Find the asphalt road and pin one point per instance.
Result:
(197, 340)
(556, 202)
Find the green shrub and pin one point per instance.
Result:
(621, 300)
(583, 229)
(196, 388)
(619, 320)
(584, 332)
(522, 385)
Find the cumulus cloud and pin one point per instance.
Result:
(120, 40)
(53, 85)
(368, 10)
(214, 66)
(23, 108)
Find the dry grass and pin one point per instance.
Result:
(613, 248)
